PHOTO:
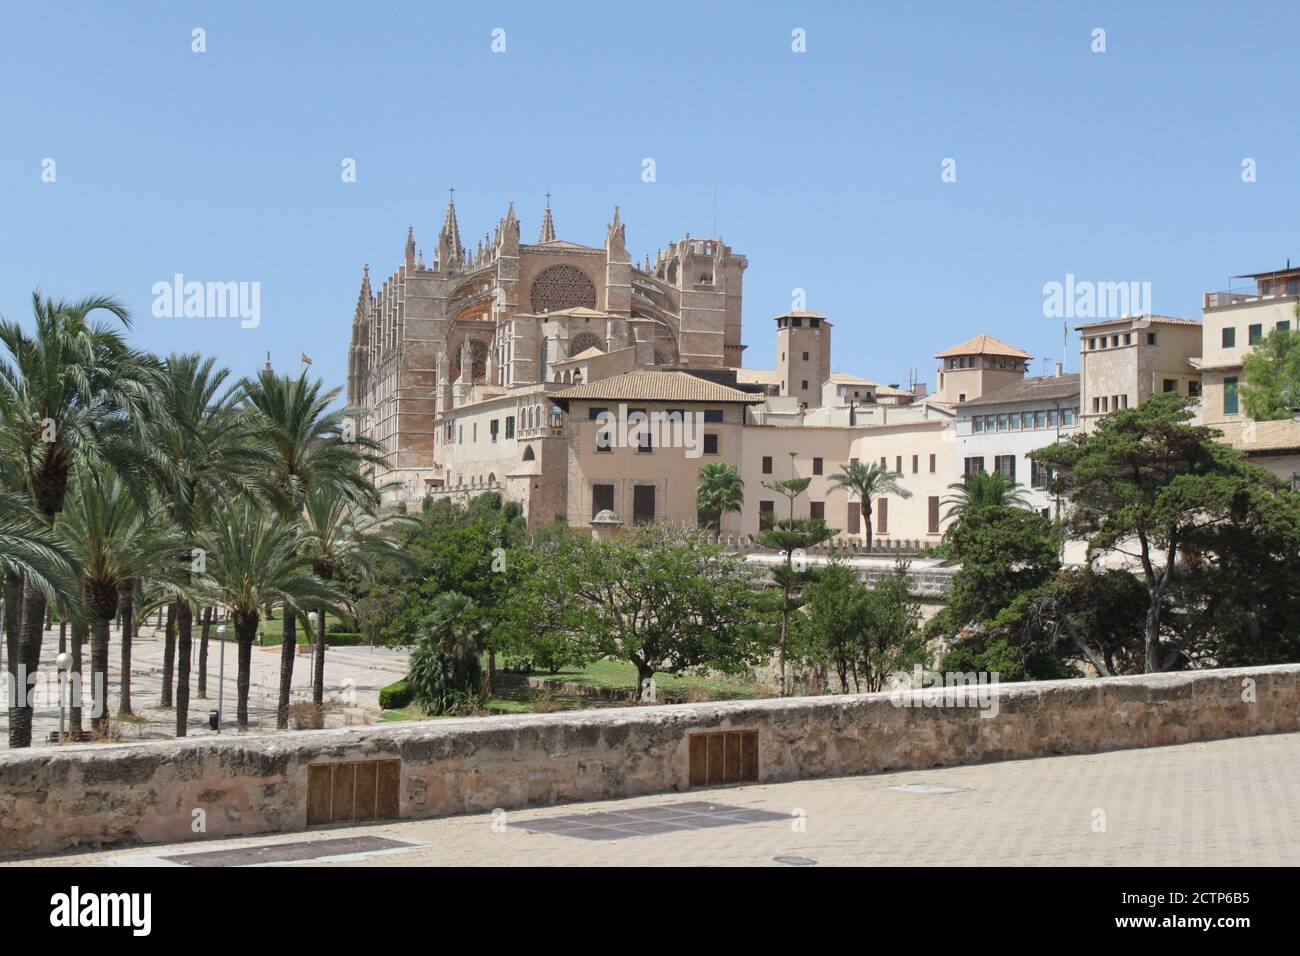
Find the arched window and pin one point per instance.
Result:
(528, 453)
(586, 340)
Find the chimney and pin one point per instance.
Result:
(1059, 369)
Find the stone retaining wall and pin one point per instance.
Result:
(101, 795)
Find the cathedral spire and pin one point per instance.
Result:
(410, 248)
(450, 235)
(548, 224)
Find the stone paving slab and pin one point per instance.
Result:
(1220, 803)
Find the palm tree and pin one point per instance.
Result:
(341, 531)
(720, 489)
(868, 482)
(255, 558)
(114, 542)
(72, 394)
(982, 489)
(312, 447)
(206, 443)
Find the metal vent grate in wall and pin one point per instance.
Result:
(727, 756)
(356, 790)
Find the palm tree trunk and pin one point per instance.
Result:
(75, 681)
(169, 656)
(63, 634)
(866, 521)
(28, 663)
(318, 675)
(203, 653)
(128, 635)
(184, 635)
(13, 632)
(99, 674)
(245, 632)
(288, 651)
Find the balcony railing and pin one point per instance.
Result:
(1217, 300)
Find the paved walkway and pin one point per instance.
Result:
(1222, 803)
(353, 678)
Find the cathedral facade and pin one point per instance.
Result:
(504, 318)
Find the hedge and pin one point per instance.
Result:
(395, 695)
(332, 639)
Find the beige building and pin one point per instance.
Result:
(979, 365)
(1123, 362)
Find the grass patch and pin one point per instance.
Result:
(621, 675)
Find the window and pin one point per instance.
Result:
(854, 522)
(977, 424)
(817, 466)
(474, 434)
(805, 356)
(961, 397)
(1015, 421)
(710, 444)
(1284, 325)
(602, 499)
(1169, 385)
(1002, 423)
(1229, 337)
(1040, 419)
(594, 413)
(767, 464)
(883, 462)
(817, 510)
(460, 434)
(1039, 475)
(934, 514)
(1255, 332)
(713, 416)
(932, 463)
(494, 428)
(645, 443)
(643, 504)
(898, 464)
(1068, 415)
(1151, 338)
(766, 512)
(1005, 465)
(510, 427)
(804, 386)
(1092, 344)
(1194, 388)
(1051, 417)
(1128, 338)
(973, 464)
(1230, 395)
(916, 464)
(882, 515)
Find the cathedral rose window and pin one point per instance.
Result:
(562, 287)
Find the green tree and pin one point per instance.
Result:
(983, 489)
(255, 559)
(1270, 388)
(868, 482)
(114, 541)
(73, 394)
(445, 673)
(1147, 484)
(341, 532)
(720, 490)
(790, 537)
(664, 599)
(312, 445)
(204, 446)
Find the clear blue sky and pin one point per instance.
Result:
(225, 165)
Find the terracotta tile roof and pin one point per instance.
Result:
(1042, 388)
(1153, 319)
(649, 385)
(984, 345)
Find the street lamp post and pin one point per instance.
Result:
(62, 663)
(221, 676)
(311, 624)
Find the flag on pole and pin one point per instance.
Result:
(306, 360)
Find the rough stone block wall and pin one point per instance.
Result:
(100, 795)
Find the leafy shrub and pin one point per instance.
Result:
(395, 695)
(440, 682)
